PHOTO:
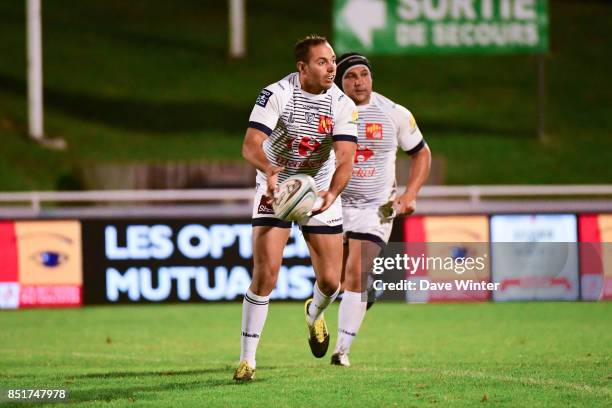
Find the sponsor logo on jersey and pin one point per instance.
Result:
(264, 207)
(354, 117)
(363, 154)
(374, 131)
(301, 164)
(263, 98)
(326, 124)
(359, 172)
(305, 147)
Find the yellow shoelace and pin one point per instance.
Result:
(319, 329)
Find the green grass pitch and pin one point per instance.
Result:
(512, 354)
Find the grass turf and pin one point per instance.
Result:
(149, 80)
(512, 354)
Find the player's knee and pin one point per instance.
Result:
(261, 288)
(352, 282)
(328, 285)
(266, 272)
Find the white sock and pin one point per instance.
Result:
(319, 302)
(254, 313)
(350, 315)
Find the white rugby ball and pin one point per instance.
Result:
(295, 198)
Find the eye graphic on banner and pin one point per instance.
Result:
(49, 252)
(50, 266)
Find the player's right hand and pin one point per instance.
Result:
(405, 204)
(272, 182)
(327, 198)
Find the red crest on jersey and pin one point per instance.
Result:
(326, 124)
(363, 154)
(374, 131)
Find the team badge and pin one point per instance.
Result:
(374, 131)
(310, 117)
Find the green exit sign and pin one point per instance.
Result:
(441, 26)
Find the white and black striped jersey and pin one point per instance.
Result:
(383, 127)
(301, 128)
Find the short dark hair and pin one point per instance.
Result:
(302, 47)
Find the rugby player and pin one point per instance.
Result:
(369, 202)
(300, 124)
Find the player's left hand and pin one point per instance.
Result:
(405, 204)
(328, 199)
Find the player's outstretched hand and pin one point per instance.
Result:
(326, 198)
(405, 204)
(272, 181)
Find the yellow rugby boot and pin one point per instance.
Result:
(318, 335)
(244, 372)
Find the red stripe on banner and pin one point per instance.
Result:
(50, 296)
(588, 228)
(589, 236)
(414, 229)
(416, 241)
(8, 252)
(535, 282)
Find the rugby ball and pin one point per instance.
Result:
(295, 198)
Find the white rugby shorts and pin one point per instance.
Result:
(366, 224)
(328, 222)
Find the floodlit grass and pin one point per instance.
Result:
(150, 81)
(513, 354)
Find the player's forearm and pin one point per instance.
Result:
(345, 155)
(252, 150)
(419, 171)
(341, 177)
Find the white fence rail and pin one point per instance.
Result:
(432, 199)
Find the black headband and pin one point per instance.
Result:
(346, 62)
